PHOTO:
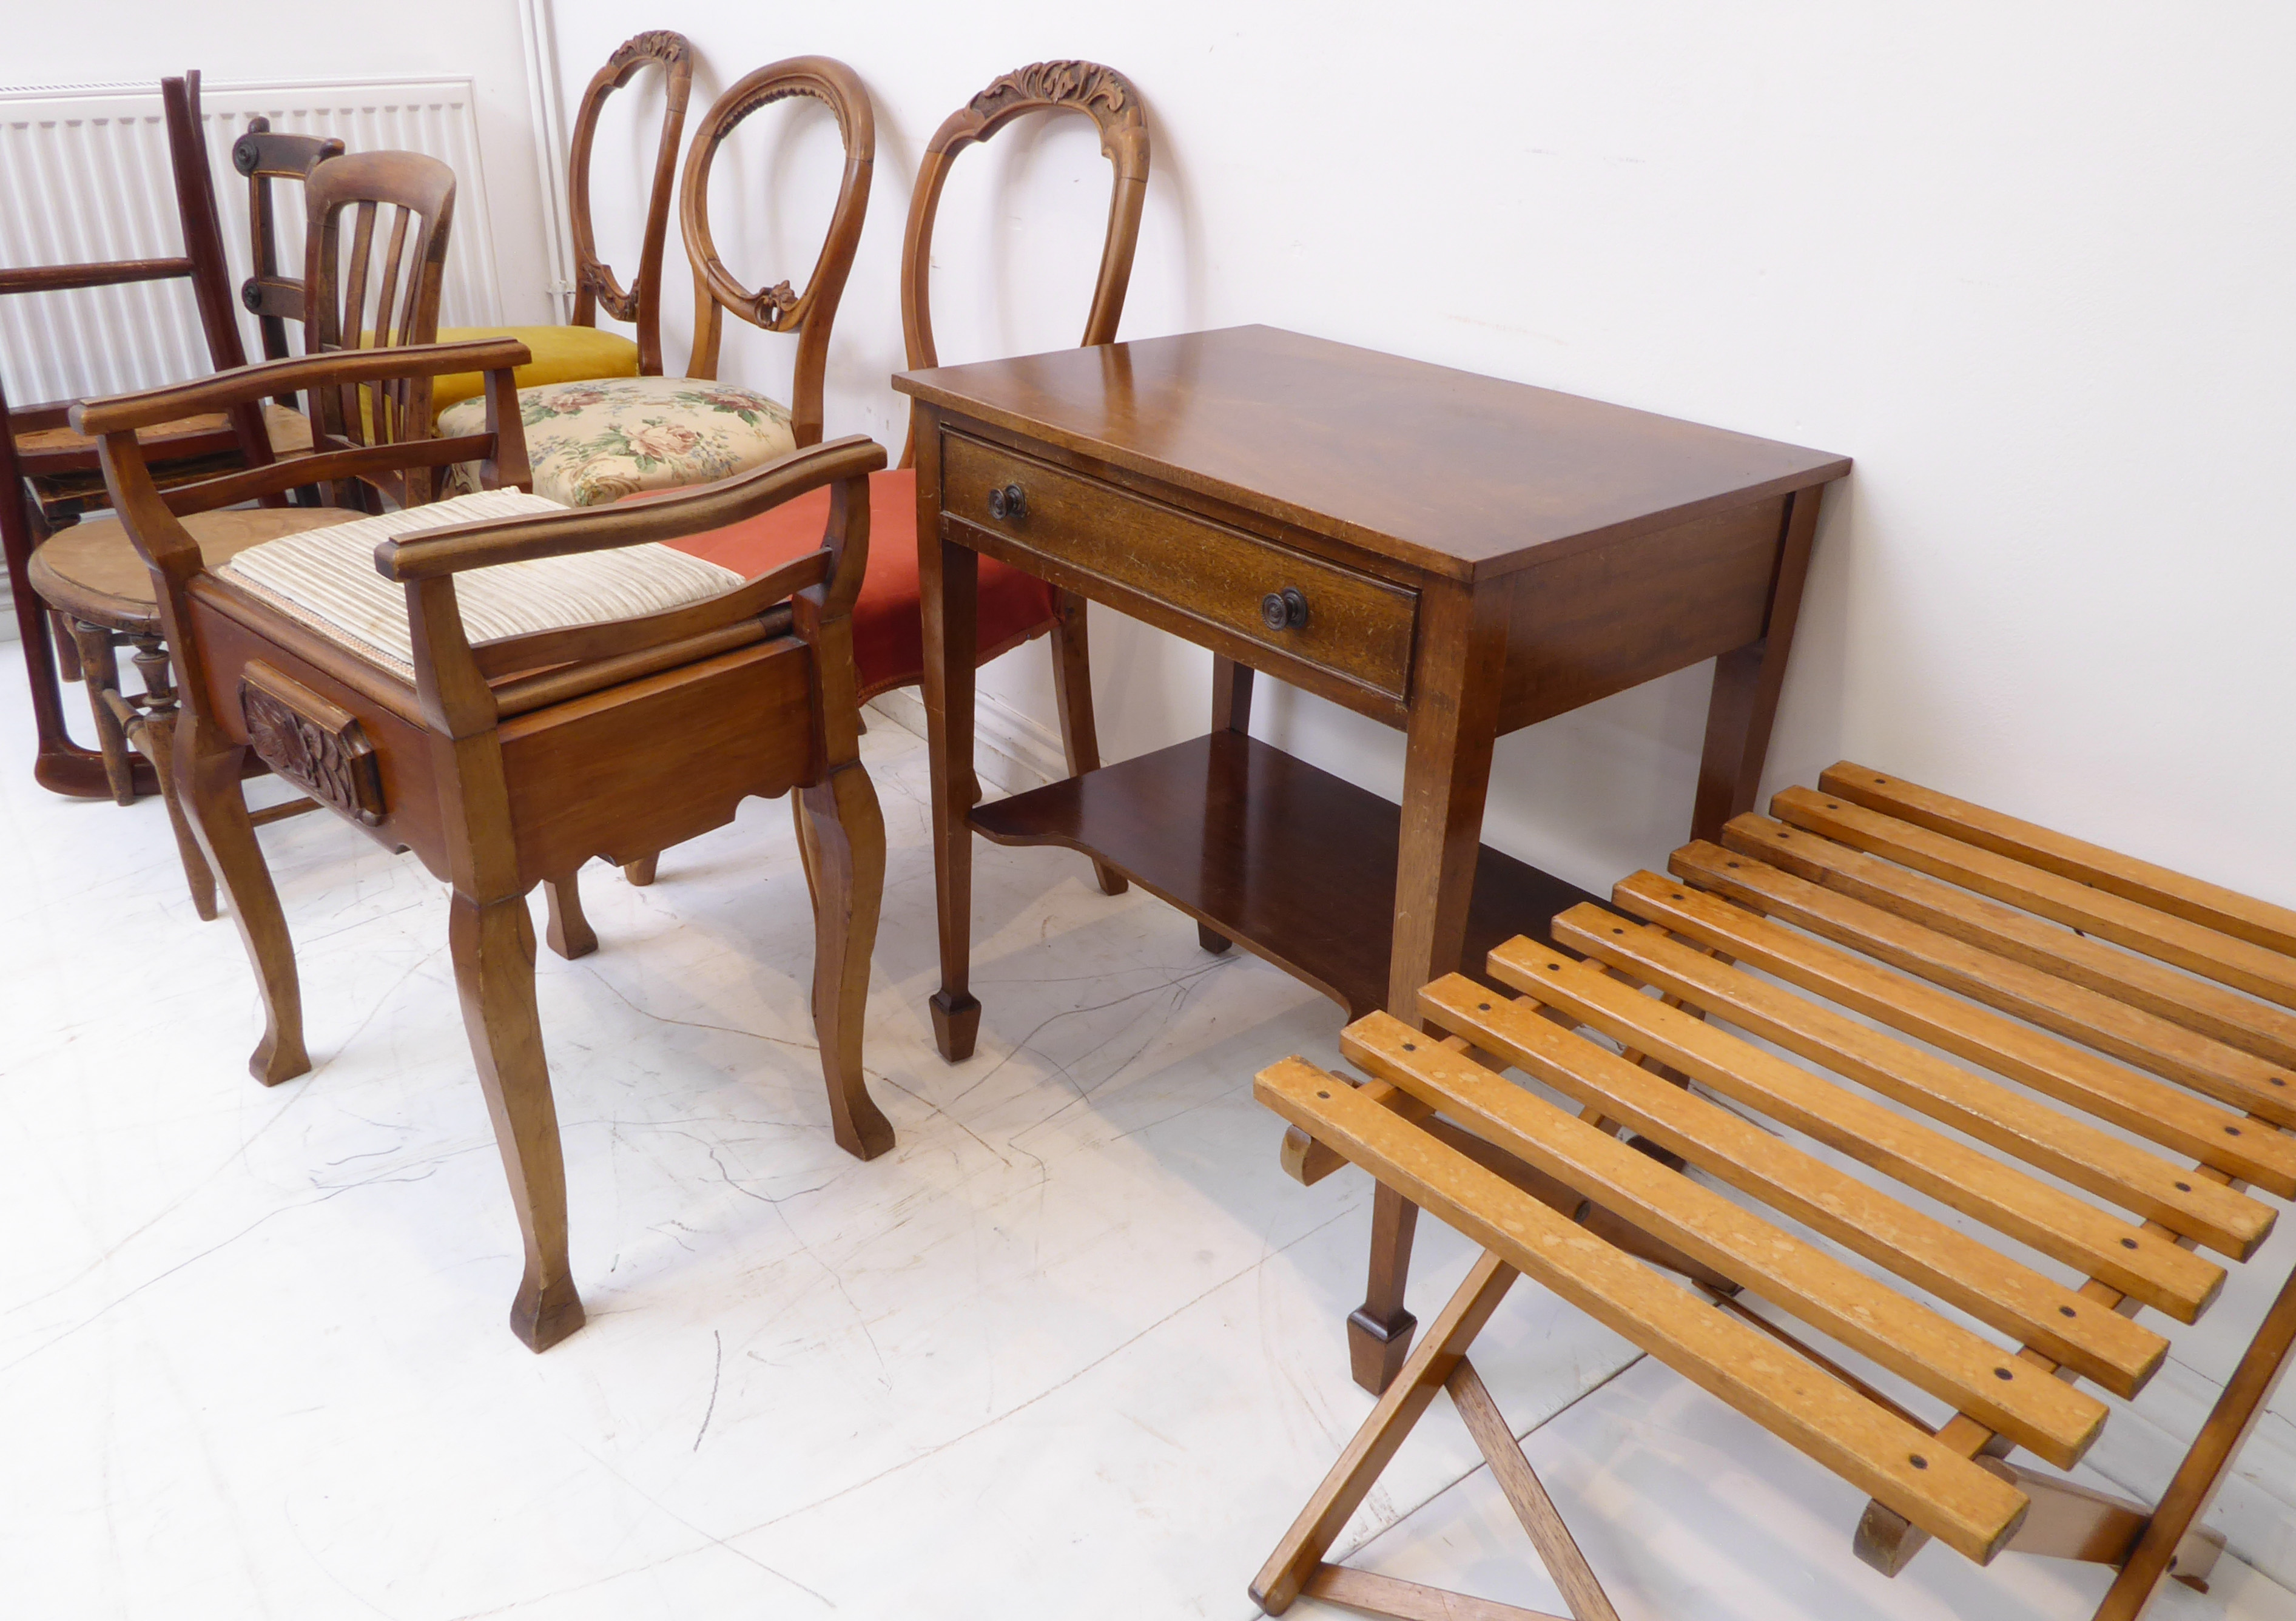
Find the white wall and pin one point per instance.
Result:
(140, 41)
(2030, 265)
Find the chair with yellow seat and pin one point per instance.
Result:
(597, 440)
(580, 351)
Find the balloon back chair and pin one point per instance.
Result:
(1015, 607)
(600, 694)
(599, 441)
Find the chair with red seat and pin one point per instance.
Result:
(1015, 607)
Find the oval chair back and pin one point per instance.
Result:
(776, 309)
(596, 285)
(1101, 92)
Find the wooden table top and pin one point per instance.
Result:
(1462, 475)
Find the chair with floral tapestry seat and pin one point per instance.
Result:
(508, 688)
(597, 441)
(1015, 607)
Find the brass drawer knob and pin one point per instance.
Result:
(1284, 610)
(1011, 502)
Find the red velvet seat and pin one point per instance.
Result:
(888, 621)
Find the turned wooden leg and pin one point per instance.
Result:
(570, 932)
(154, 733)
(641, 871)
(493, 947)
(1072, 685)
(67, 645)
(845, 839)
(206, 782)
(100, 672)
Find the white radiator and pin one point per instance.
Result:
(83, 176)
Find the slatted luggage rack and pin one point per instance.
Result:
(2073, 988)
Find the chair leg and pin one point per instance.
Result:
(641, 871)
(844, 842)
(67, 646)
(99, 671)
(155, 735)
(493, 947)
(1423, 1372)
(1072, 685)
(807, 856)
(571, 935)
(208, 779)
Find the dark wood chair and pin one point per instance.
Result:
(382, 283)
(505, 732)
(1016, 607)
(595, 442)
(55, 470)
(264, 155)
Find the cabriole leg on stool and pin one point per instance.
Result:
(845, 843)
(493, 947)
(208, 779)
(100, 671)
(569, 932)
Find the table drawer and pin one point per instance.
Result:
(1354, 626)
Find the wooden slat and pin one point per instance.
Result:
(2012, 1121)
(1558, 1549)
(2258, 969)
(1373, 1595)
(2215, 1010)
(1939, 1258)
(1951, 1498)
(2242, 916)
(1960, 1368)
(2243, 1079)
(2162, 1113)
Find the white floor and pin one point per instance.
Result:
(1072, 1348)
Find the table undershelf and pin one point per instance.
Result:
(1289, 861)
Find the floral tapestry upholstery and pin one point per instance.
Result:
(595, 442)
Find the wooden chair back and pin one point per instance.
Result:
(776, 309)
(370, 287)
(596, 285)
(264, 155)
(1102, 93)
(37, 445)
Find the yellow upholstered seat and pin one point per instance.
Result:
(561, 354)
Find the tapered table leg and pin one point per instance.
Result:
(1448, 736)
(949, 583)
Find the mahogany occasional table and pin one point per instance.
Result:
(1455, 555)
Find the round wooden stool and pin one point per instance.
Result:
(92, 576)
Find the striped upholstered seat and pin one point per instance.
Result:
(325, 578)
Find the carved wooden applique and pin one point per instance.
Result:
(317, 744)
